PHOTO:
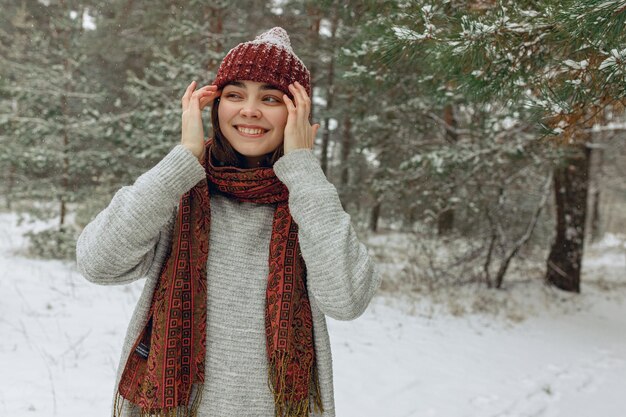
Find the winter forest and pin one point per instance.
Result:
(477, 145)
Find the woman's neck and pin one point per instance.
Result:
(253, 161)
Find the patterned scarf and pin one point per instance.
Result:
(169, 354)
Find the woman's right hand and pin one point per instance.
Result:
(193, 103)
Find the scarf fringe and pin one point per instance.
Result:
(287, 406)
(180, 411)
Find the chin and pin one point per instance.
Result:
(252, 150)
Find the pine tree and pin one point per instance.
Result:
(52, 103)
(556, 64)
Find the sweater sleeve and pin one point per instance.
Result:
(118, 246)
(341, 275)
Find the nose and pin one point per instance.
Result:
(250, 109)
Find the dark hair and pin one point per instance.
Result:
(226, 155)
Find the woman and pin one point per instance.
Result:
(245, 247)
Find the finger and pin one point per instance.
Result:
(305, 103)
(187, 95)
(292, 115)
(203, 94)
(314, 130)
(302, 89)
(205, 89)
(291, 107)
(305, 96)
(194, 103)
(207, 99)
(316, 127)
(300, 107)
(297, 94)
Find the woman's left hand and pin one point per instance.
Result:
(298, 131)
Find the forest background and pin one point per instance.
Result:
(489, 133)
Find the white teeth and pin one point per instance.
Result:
(250, 131)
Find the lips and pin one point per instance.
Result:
(251, 131)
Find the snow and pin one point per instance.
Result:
(276, 36)
(614, 59)
(576, 65)
(404, 33)
(552, 354)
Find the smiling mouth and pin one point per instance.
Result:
(252, 133)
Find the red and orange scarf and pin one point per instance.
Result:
(169, 354)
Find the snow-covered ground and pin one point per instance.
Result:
(556, 355)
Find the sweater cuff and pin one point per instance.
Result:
(299, 166)
(179, 171)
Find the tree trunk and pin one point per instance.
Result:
(595, 215)
(324, 146)
(10, 184)
(596, 172)
(216, 16)
(571, 182)
(445, 220)
(374, 215)
(330, 96)
(315, 15)
(346, 146)
(65, 110)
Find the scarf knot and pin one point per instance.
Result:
(253, 185)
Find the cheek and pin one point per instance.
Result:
(279, 118)
(225, 112)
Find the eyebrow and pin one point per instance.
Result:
(263, 86)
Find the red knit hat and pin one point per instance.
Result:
(267, 59)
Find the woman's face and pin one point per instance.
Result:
(252, 117)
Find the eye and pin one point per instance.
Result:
(232, 95)
(275, 100)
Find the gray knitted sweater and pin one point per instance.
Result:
(129, 240)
